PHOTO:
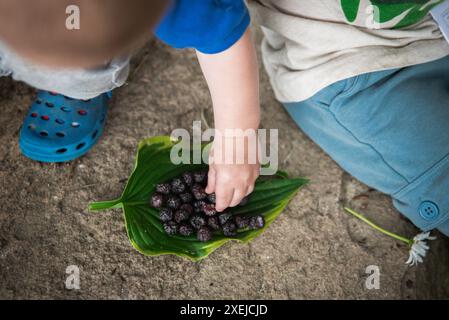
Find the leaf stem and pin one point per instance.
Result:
(134, 203)
(375, 226)
(103, 205)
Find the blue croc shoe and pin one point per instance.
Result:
(58, 128)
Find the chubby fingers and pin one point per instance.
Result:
(239, 194)
(211, 180)
(223, 197)
(219, 183)
(250, 189)
(244, 186)
(224, 189)
(230, 190)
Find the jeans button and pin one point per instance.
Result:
(428, 210)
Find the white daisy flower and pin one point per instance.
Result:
(419, 248)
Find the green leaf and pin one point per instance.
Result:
(144, 229)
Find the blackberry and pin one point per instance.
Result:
(185, 230)
(187, 207)
(200, 176)
(241, 222)
(170, 228)
(256, 222)
(197, 221)
(213, 223)
(198, 206)
(173, 202)
(211, 197)
(229, 229)
(165, 214)
(244, 201)
(198, 192)
(163, 188)
(188, 178)
(186, 197)
(204, 234)
(157, 200)
(181, 215)
(224, 217)
(177, 186)
(209, 209)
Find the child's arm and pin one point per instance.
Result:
(233, 79)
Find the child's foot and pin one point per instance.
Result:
(58, 128)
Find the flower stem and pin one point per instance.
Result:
(375, 226)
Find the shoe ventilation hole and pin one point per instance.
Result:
(43, 133)
(75, 124)
(31, 127)
(34, 115)
(61, 150)
(52, 93)
(59, 121)
(82, 112)
(94, 134)
(60, 134)
(49, 104)
(39, 101)
(65, 109)
(82, 144)
(46, 118)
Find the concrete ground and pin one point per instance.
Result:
(313, 250)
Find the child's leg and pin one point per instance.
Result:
(390, 129)
(68, 116)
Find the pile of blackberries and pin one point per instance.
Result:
(185, 208)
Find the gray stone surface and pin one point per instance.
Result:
(313, 250)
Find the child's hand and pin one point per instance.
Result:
(230, 182)
(233, 79)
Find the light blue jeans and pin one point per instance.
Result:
(389, 129)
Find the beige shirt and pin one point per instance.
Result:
(310, 44)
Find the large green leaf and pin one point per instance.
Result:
(143, 226)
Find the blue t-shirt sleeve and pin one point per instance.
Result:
(210, 26)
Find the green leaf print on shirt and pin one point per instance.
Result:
(350, 9)
(414, 10)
